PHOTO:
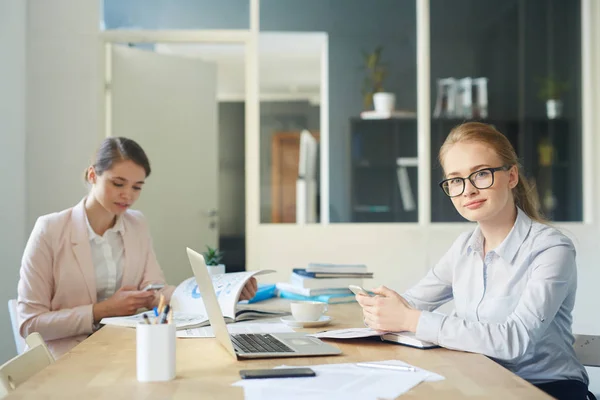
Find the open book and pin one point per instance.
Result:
(188, 307)
(404, 338)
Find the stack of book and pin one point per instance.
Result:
(327, 283)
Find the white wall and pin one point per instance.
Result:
(12, 160)
(49, 121)
(63, 91)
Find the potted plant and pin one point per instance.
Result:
(551, 91)
(373, 91)
(213, 257)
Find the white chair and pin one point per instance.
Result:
(14, 320)
(17, 370)
(587, 349)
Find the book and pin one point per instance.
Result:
(335, 298)
(288, 287)
(323, 283)
(403, 338)
(318, 275)
(188, 307)
(337, 268)
(407, 339)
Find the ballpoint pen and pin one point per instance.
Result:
(146, 319)
(165, 313)
(388, 366)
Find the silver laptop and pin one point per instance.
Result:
(252, 345)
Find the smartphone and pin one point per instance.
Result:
(358, 290)
(277, 373)
(154, 286)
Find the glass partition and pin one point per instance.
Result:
(372, 155)
(516, 65)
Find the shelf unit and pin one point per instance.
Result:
(549, 151)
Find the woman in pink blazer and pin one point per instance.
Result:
(92, 261)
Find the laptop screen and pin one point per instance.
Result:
(205, 286)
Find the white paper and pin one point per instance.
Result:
(240, 327)
(186, 297)
(431, 376)
(335, 381)
(179, 319)
(351, 333)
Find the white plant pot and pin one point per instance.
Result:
(384, 102)
(216, 269)
(554, 108)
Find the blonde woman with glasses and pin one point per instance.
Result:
(513, 279)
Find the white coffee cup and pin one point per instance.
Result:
(308, 310)
(155, 352)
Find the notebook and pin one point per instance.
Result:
(403, 338)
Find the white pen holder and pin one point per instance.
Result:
(155, 352)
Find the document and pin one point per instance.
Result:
(188, 306)
(336, 381)
(404, 338)
(240, 327)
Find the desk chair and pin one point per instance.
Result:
(17, 370)
(587, 349)
(14, 320)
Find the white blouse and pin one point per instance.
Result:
(108, 258)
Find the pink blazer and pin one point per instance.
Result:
(57, 285)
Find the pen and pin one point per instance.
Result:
(163, 317)
(146, 319)
(155, 311)
(387, 366)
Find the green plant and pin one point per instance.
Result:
(376, 72)
(551, 88)
(212, 256)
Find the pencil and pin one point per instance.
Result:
(161, 304)
(146, 319)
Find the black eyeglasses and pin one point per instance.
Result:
(481, 179)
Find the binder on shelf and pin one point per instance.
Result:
(406, 194)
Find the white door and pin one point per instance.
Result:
(168, 105)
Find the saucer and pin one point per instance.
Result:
(289, 320)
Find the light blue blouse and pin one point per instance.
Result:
(513, 306)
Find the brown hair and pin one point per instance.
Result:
(525, 195)
(115, 149)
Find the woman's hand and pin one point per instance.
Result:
(126, 301)
(388, 311)
(249, 290)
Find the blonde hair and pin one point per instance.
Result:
(524, 194)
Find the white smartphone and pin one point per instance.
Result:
(358, 290)
(154, 286)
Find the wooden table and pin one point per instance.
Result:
(104, 367)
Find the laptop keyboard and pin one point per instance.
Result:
(259, 343)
